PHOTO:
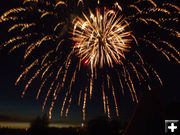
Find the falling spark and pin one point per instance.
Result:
(84, 104)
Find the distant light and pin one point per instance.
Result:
(82, 124)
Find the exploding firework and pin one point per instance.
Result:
(102, 38)
(104, 47)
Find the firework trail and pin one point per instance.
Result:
(66, 42)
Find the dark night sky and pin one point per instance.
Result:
(14, 107)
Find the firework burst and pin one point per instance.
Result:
(108, 41)
(101, 38)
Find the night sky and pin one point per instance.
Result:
(15, 108)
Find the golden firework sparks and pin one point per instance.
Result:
(105, 40)
(102, 38)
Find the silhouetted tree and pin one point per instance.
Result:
(40, 122)
(99, 126)
(117, 126)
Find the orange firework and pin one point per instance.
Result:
(105, 46)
